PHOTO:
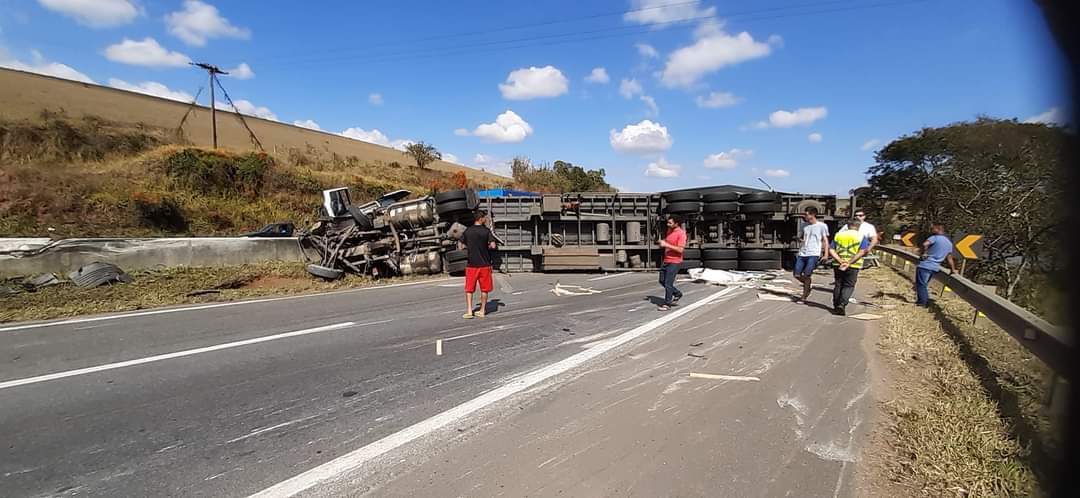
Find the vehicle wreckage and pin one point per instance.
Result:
(729, 228)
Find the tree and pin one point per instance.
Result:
(997, 178)
(560, 177)
(423, 153)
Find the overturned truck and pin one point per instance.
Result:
(728, 227)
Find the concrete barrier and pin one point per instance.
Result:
(20, 257)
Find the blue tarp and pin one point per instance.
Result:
(504, 192)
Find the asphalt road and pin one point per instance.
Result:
(230, 400)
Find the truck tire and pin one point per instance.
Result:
(720, 207)
(363, 222)
(710, 254)
(457, 255)
(760, 207)
(759, 265)
(682, 207)
(451, 207)
(457, 268)
(691, 253)
(687, 196)
(720, 197)
(451, 195)
(722, 264)
(686, 265)
(760, 255)
(759, 197)
(324, 272)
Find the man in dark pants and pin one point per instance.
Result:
(673, 243)
(848, 248)
(935, 250)
(479, 241)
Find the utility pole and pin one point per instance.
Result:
(211, 71)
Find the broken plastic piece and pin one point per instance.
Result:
(99, 273)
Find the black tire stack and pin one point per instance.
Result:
(691, 259)
(720, 259)
(716, 204)
(456, 261)
(759, 203)
(455, 205)
(759, 259)
(683, 203)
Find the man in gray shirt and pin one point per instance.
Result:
(815, 242)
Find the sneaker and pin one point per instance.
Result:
(663, 307)
(839, 312)
(468, 315)
(676, 299)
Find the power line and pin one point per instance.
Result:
(576, 37)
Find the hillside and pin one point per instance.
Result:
(26, 95)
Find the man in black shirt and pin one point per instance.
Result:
(479, 241)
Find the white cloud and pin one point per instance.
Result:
(870, 144)
(41, 66)
(662, 169)
(95, 13)
(247, 108)
(145, 53)
(629, 88)
(777, 173)
(490, 164)
(727, 160)
(716, 100)
(712, 51)
(534, 83)
(152, 88)
(507, 128)
(450, 158)
(376, 137)
(241, 72)
(375, 99)
(645, 137)
(665, 11)
(804, 116)
(1054, 116)
(651, 103)
(814, 138)
(307, 123)
(199, 22)
(598, 75)
(647, 51)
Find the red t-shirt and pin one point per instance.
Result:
(676, 237)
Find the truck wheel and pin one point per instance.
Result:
(721, 254)
(457, 255)
(682, 207)
(451, 207)
(760, 255)
(691, 253)
(722, 264)
(687, 265)
(720, 207)
(324, 272)
(451, 195)
(759, 265)
(760, 207)
(759, 197)
(456, 268)
(687, 196)
(720, 197)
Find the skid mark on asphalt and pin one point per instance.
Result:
(268, 429)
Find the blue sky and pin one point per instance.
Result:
(797, 92)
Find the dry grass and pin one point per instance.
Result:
(173, 286)
(966, 418)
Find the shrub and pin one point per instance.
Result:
(218, 172)
(163, 213)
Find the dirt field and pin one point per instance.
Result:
(26, 95)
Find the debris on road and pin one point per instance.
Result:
(696, 344)
(572, 290)
(695, 375)
(866, 316)
(99, 273)
(438, 347)
(43, 280)
(766, 296)
(695, 355)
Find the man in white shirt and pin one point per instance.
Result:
(815, 241)
(867, 230)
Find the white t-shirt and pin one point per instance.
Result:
(812, 235)
(866, 229)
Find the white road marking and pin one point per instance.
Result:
(696, 375)
(179, 354)
(268, 429)
(357, 458)
(203, 307)
(608, 276)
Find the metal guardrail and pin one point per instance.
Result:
(1053, 345)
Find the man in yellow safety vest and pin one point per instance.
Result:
(848, 248)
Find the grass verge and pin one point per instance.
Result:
(173, 286)
(966, 417)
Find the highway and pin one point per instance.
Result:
(343, 393)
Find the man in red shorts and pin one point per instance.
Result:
(479, 241)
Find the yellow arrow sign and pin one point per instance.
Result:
(964, 246)
(906, 239)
